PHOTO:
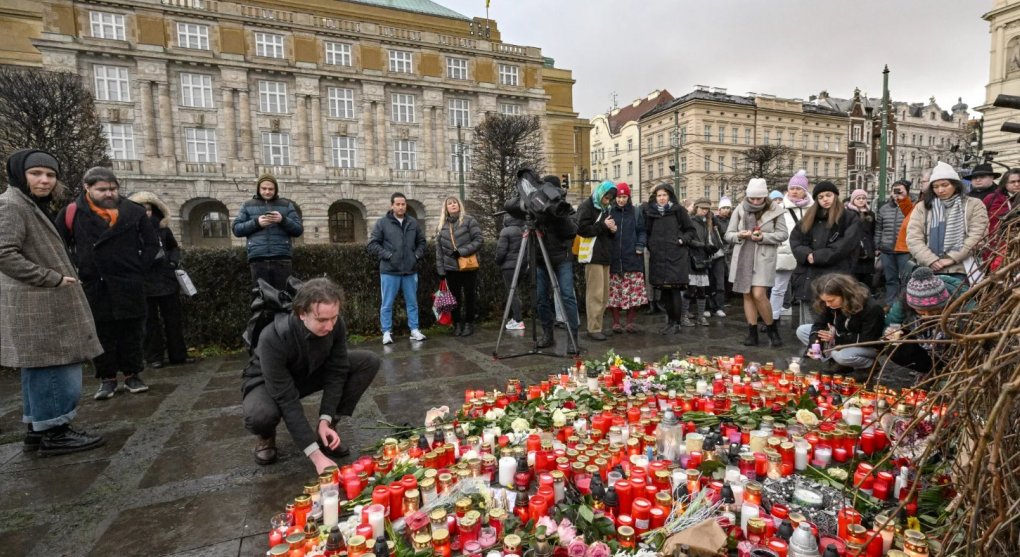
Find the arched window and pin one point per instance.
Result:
(215, 225)
(341, 226)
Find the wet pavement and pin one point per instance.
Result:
(176, 476)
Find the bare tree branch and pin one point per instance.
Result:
(504, 144)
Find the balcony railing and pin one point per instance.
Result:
(205, 5)
(126, 166)
(349, 173)
(200, 168)
(407, 174)
(280, 171)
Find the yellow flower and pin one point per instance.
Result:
(807, 418)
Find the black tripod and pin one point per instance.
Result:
(532, 237)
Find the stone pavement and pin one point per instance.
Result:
(176, 476)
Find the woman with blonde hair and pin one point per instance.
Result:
(847, 314)
(458, 238)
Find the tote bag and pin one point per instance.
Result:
(586, 245)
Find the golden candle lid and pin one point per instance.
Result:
(468, 522)
(512, 541)
(435, 515)
(464, 473)
(441, 535)
(303, 500)
(476, 515)
(445, 478)
(497, 513)
(591, 469)
(411, 494)
(280, 549)
(558, 475)
(427, 483)
(356, 541)
(915, 536)
(311, 488)
(756, 523)
(463, 504)
(625, 531)
(422, 539)
(752, 487)
(325, 478)
(663, 497)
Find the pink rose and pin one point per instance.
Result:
(566, 532)
(598, 549)
(547, 523)
(577, 548)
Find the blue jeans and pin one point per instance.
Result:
(50, 395)
(893, 265)
(856, 357)
(408, 286)
(544, 293)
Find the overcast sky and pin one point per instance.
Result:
(788, 48)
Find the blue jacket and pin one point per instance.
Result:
(629, 239)
(398, 246)
(273, 241)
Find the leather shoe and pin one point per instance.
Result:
(33, 439)
(265, 450)
(335, 454)
(547, 339)
(185, 361)
(467, 330)
(458, 330)
(597, 335)
(65, 440)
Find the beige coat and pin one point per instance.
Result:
(41, 323)
(774, 233)
(975, 220)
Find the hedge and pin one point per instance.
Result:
(217, 315)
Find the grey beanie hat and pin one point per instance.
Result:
(45, 160)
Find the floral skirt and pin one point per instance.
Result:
(627, 291)
(699, 280)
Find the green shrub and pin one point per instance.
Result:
(217, 315)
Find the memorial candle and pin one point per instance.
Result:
(377, 519)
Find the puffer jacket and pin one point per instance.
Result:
(865, 261)
(785, 261)
(888, 221)
(398, 245)
(273, 241)
(468, 236)
(706, 243)
(161, 277)
(833, 251)
(508, 246)
(630, 239)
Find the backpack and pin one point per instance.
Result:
(268, 303)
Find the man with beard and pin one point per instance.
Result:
(112, 243)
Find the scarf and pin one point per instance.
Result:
(945, 229)
(109, 215)
(802, 202)
(662, 208)
(745, 259)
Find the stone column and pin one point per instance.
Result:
(300, 133)
(368, 134)
(440, 140)
(148, 121)
(166, 127)
(245, 136)
(380, 134)
(229, 125)
(428, 139)
(317, 157)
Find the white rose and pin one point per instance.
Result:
(494, 414)
(519, 425)
(559, 419)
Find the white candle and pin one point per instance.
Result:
(738, 492)
(507, 469)
(559, 491)
(330, 506)
(612, 478)
(852, 415)
(822, 456)
(732, 474)
(800, 461)
(377, 520)
(758, 440)
(701, 386)
(747, 512)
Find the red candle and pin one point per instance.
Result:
(537, 507)
(844, 518)
(534, 442)
(778, 546)
(642, 509)
(839, 454)
(658, 517)
(694, 460)
(352, 487)
(275, 537)
(365, 530)
(634, 415)
(409, 482)
(868, 443)
(881, 440)
(761, 465)
(396, 490)
(626, 495)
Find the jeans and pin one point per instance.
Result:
(169, 309)
(274, 271)
(717, 283)
(596, 278)
(893, 265)
(406, 285)
(515, 303)
(262, 414)
(50, 395)
(779, 289)
(122, 341)
(464, 286)
(856, 357)
(544, 293)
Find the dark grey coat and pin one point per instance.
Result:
(468, 237)
(398, 245)
(508, 247)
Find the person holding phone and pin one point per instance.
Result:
(846, 315)
(891, 237)
(269, 222)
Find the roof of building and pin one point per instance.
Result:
(635, 110)
(723, 97)
(426, 7)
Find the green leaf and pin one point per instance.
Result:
(585, 513)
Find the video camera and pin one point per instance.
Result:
(536, 198)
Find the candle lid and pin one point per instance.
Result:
(441, 535)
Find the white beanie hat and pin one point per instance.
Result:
(725, 201)
(757, 187)
(943, 171)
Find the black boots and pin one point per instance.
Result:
(773, 332)
(265, 450)
(458, 329)
(752, 336)
(573, 346)
(467, 330)
(64, 440)
(33, 439)
(547, 338)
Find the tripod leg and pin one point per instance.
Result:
(557, 294)
(513, 289)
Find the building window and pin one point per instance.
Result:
(338, 54)
(734, 134)
(747, 136)
(273, 97)
(839, 142)
(708, 133)
(722, 162)
(814, 169)
(196, 90)
(722, 134)
(269, 45)
(510, 109)
(112, 83)
(201, 144)
(836, 172)
(402, 108)
(733, 163)
(405, 154)
(460, 112)
(779, 137)
(661, 138)
(616, 148)
(683, 134)
(121, 138)
(651, 145)
(708, 164)
(856, 135)
(215, 225)
(341, 102)
(344, 151)
(196, 36)
(341, 227)
(827, 175)
(683, 164)
(107, 26)
(630, 145)
(453, 157)
(457, 68)
(662, 172)
(765, 137)
(651, 172)
(630, 168)
(509, 75)
(276, 148)
(401, 61)
(826, 143)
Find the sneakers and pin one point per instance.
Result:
(134, 384)
(107, 389)
(64, 440)
(387, 338)
(514, 325)
(416, 335)
(686, 322)
(706, 313)
(720, 313)
(33, 439)
(787, 312)
(702, 321)
(265, 451)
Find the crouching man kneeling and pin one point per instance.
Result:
(300, 353)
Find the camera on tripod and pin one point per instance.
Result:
(536, 198)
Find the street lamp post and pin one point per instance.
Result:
(884, 145)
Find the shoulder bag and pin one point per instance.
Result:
(467, 263)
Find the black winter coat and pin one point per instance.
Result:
(834, 251)
(669, 235)
(111, 261)
(865, 260)
(508, 247)
(707, 241)
(630, 239)
(866, 325)
(591, 223)
(557, 234)
(273, 241)
(398, 246)
(469, 240)
(161, 277)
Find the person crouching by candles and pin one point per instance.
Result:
(846, 315)
(756, 230)
(300, 353)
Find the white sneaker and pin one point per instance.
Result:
(786, 312)
(707, 313)
(416, 335)
(387, 338)
(720, 313)
(514, 325)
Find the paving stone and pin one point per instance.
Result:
(396, 371)
(124, 405)
(177, 464)
(19, 543)
(34, 489)
(207, 433)
(115, 440)
(222, 398)
(226, 549)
